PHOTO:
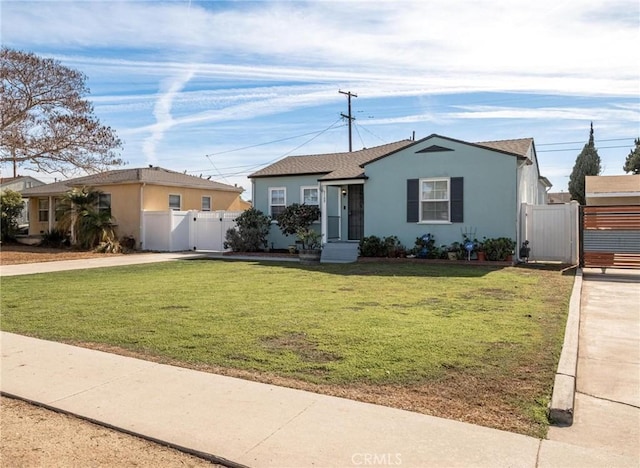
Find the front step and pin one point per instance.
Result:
(339, 252)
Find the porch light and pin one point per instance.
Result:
(344, 192)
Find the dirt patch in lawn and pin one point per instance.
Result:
(15, 254)
(34, 436)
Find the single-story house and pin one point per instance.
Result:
(612, 190)
(437, 185)
(20, 184)
(558, 198)
(127, 193)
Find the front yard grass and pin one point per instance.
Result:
(477, 344)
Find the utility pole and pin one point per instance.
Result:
(349, 94)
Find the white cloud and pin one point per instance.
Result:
(162, 112)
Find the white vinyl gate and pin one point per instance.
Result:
(175, 231)
(552, 232)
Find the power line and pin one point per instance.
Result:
(255, 166)
(580, 149)
(579, 142)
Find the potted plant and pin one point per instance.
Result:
(311, 246)
(480, 250)
(296, 219)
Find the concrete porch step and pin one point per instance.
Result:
(339, 252)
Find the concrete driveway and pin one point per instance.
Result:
(607, 401)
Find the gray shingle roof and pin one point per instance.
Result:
(519, 146)
(148, 175)
(332, 165)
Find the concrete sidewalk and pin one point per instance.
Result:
(260, 425)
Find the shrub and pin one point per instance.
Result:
(497, 249)
(250, 233)
(372, 246)
(425, 247)
(11, 205)
(54, 239)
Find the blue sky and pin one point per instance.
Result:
(221, 88)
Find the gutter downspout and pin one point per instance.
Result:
(142, 221)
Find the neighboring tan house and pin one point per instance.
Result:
(20, 184)
(612, 190)
(129, 192)
(436, 185)
(558, 198)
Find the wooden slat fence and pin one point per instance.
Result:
(610, 236)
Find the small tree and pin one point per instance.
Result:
(250, 233)
(632, 163)
(296, 219)
(11, 205)
(587, 164)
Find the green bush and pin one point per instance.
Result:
(55, 239)
(497, 249)
(373, 246)
(11, 205)
(250, 233)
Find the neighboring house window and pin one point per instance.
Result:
(104, 203)
(43, 209)
(175, 202)
(309, 195)
(277, 200)
(206, 203)
(434, 200)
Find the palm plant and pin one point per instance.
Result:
(78, 213)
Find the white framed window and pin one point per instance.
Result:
(43, 210)
(277, 200)
(104, 203)
(206, 203)
(175, 202)
(310, 195)
(435, 200)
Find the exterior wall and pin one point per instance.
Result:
(490, 197)
(292, 184)
(125, 208)
(36, 227)
(612, 190)
(156, 198)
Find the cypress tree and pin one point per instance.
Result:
(632, 163)
(587, 164)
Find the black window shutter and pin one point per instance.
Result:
(413, 200)
(457, 200)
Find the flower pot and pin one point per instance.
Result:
(309, 257)
(482, 256)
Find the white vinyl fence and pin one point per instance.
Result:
(174, 231)
(552, 232)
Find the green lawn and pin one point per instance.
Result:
(492, 334)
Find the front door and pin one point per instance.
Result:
(356, 212)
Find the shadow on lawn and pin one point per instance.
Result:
(408, 269)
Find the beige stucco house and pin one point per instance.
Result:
(612, 190)
(130, 192)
